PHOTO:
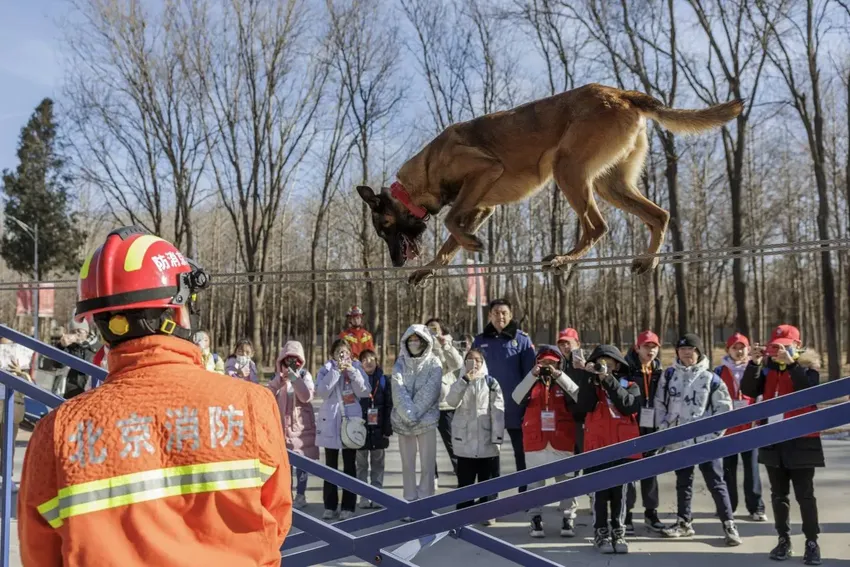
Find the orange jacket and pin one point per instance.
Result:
(165, 464)
(358, 339)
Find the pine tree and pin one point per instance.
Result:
(37, 193)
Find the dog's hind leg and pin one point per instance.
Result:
(618, 186)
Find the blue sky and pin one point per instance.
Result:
(30, 67)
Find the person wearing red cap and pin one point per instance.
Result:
(165, 463)
(548, 429)
(645, 370)
(731, 371)
(573, 365)
(780, 368)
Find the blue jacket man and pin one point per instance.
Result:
(509, 354)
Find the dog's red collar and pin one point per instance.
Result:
(398, 191)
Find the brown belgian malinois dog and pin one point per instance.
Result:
(592, 137)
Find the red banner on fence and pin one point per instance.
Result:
(471, 280)
(46, 300)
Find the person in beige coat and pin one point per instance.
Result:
(451, 360)
(478, 426)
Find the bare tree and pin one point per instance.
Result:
(138, 136)
(650, 55)
(365, 55)
(804, 88)
(260, 95)
(336, 154)
(737, 53)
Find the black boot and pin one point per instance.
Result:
(783, 550)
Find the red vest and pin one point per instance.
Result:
(735, 391)
(778, 383)
(605, 426)
(358, 340)
(540, 400)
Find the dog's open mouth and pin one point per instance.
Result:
(409, 248)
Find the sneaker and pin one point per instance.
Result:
(536, 530)
(346, 515)
(650, 519)
(488, 523)
(618, 540)
(364, 503)
(680, 529)
(783, 550)
(602, 541)
(329, 514)
(812, 554)
(568, 528)
(300, 501)
(407, 519)
(730, 530)
(758, 517)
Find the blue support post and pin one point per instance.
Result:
(8, 462)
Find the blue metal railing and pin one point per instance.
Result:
(341, 541)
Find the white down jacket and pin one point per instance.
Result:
(479, 421)
(416, 386)
(689, 393)
(451, 361)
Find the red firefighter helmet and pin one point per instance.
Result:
(133, 269)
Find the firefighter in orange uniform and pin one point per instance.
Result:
(358, 338)
(165, 464)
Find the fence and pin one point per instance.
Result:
(429, 526)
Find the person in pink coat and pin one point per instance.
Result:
(293, 387)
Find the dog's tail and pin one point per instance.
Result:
(685, 121)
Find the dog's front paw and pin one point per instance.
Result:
(558, 263)
(419, 277)
(644, 265)
(471, 242)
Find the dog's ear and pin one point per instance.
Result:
(369, 196)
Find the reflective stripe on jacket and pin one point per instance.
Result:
(164, 464)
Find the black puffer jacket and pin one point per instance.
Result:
(377, 436)
(799, 453)
(75, 382)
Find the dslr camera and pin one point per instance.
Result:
(546, 372)
(597, 367)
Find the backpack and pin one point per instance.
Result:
(715, 383)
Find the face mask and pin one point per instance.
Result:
(415, 347)
(243, 360)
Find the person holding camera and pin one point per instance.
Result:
(293, 388)
(82, 342)
(689, 391)
(548, 429)
(478, 426)
(781, 368)
(342, 385)
(610, 403)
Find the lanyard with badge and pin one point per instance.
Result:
(547, 417)
(647, 414)
(372, 412)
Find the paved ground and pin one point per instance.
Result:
(704, 550)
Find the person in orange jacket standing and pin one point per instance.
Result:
(358, 338)
(166, 463)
